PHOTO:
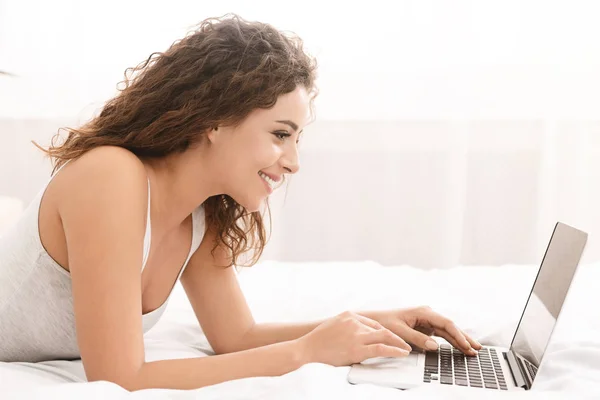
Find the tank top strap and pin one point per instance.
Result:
(147, 233)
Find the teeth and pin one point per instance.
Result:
(270, 181)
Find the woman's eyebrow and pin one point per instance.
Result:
(291, 124)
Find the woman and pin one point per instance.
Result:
(167, 182)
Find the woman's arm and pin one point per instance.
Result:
(221, 307)
(103, 209)
(274, 360)
(228, 324)
(269, 333)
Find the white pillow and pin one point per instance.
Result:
(10, 210)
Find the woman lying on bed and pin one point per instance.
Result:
(169, 182)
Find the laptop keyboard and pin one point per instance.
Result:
(452, 367)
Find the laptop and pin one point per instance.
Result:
(494, 367)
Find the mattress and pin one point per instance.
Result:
(485, 301)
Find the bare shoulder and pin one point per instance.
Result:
(104, 174)
(103, 193)
(105, 163)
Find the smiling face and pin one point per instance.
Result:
(252, 157)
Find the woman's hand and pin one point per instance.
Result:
(350, 338)
(416, 325)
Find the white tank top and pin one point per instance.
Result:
(36, 304)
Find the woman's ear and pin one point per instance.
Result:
(213, 134)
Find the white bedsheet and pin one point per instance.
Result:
(485, 301)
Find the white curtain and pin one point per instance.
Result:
(438, 194)
(427, 193)
(447, 132)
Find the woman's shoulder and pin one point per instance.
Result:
(109, 171)
(107, 160)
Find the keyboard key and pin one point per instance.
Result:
(446, 380)
(431, 359)
(482, 370)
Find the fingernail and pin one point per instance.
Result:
(431, 344)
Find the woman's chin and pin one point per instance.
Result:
(252, 205)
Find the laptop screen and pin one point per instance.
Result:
(548, 294)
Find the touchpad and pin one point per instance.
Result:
(392, 362)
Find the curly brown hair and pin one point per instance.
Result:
(216, 75)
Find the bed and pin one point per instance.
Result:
(485, 301)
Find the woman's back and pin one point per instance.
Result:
(35, 295)
(36, 304)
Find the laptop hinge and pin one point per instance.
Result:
(519, 375)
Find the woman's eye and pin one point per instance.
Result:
(281, 135)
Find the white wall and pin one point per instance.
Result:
(425, 193)
(384, 60)
(472, 125)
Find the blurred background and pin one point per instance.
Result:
(447, 132)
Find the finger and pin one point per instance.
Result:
(371, 323)
(387, 337)
(454, 343)
(418, 338)
(474, 343)
(448, 330)
(382, 350)
(462, 343)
